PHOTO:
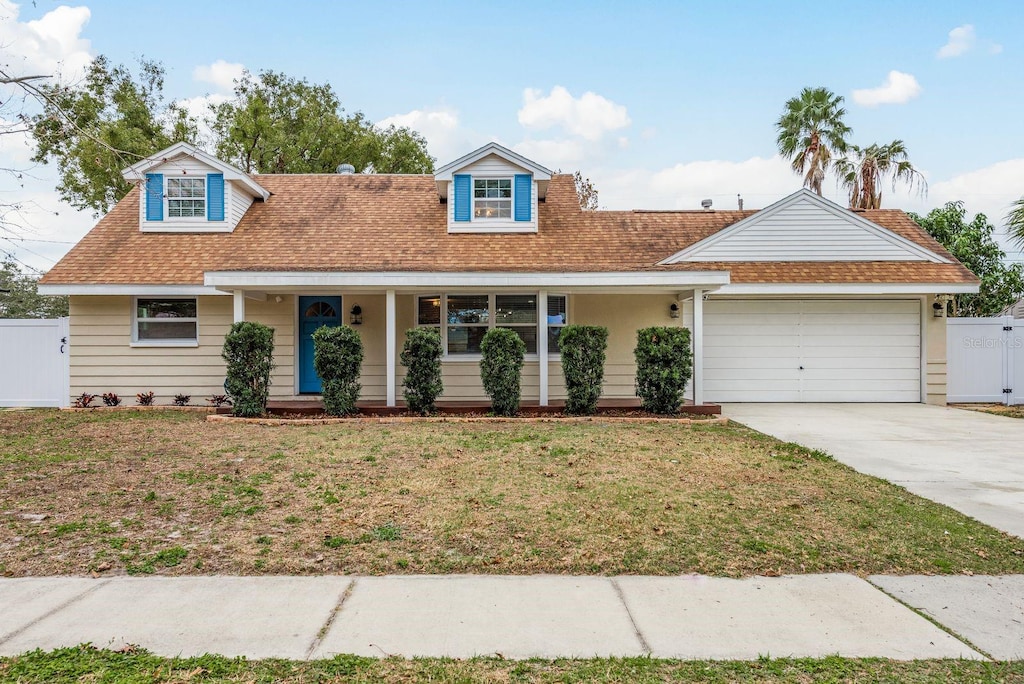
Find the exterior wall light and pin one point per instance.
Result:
(938, 309)
(673, 310)
(356, 315)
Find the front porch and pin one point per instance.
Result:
(311, 406)
(463, 307)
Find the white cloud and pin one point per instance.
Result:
(446, 139)
(759, 180)
(50, 45)
(589, 116)
(220, 74)
(961, 40)
(565, 154)
(899, 88)
(989, 190)
(995, 49)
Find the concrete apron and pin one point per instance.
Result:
(690, 617)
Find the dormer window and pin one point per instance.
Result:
(492, 198)
(186, 197)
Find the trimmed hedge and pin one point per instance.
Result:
(249, 354)
(337, 359)
(663, 367)
(421, 356)
(501, 369)
(583, 354)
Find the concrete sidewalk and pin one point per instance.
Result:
(517, 617)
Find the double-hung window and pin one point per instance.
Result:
(186, 197)
(166, 320)
(464, 319)
(492, 198)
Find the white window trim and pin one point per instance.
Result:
(168, 198)
(468, 357)
(136, 342)
(511, 200)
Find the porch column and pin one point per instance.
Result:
(698, 347)
(391, 345)
(239, 301)
(542, 345)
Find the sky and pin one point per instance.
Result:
(660, 104)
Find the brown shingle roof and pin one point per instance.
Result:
(396, 223)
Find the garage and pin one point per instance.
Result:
(812, 350)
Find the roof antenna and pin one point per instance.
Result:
(739, 201)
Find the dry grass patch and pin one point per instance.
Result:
(995, 409)
(172, 494)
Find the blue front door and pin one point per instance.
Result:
(313, 313)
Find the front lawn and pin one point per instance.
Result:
(168, 493)
(995, 409)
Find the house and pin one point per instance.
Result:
(803, 301)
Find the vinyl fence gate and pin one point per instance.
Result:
(34, 367)
(985, 360)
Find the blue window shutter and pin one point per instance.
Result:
(463, 199)
(215, 197)
(524, 202)
(154, 197)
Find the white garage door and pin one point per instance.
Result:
(812, 350)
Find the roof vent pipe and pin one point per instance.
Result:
(346, 169)
(739, 201)
(706, 204)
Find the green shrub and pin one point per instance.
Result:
(663, 367)
(337, 357)
(501, 368)
(583, 354)
(421, 356)
(249, 354)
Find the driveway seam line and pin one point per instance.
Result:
(321, 634)
(636, 628)
(4, 638)
(932, 619)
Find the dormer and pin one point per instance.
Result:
(185, 190)
(492, 190)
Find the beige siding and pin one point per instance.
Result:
(104, 360)
(935, 364)
(623, 315)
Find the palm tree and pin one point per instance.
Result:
(863, 171)
(1015, 222)
(811, 132)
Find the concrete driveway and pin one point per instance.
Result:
(970, 461)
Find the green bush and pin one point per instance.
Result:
(663, 367)
(249, 354)
(501, 369)
(583, 354)
(421, 356)
(337, 357)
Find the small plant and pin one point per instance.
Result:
(84, 400)
(421, 356)
(219, 400)
(111, 399)
(249, 354)
(583, 354)
(337, 358)
(145, 398)
(501, 369)
(182, 399)
(663, 367)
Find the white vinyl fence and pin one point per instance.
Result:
(34, 368)
(985, 360)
